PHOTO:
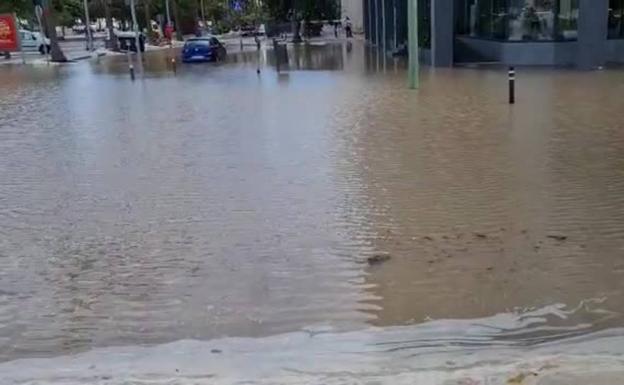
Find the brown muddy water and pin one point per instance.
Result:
(326, 218)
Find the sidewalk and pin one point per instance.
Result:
(73, 50)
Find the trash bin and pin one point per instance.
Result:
(127, 41)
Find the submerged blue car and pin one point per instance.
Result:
(201, 49)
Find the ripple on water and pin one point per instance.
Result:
(217, 203)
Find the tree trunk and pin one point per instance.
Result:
(147, 4)
(49, 21)
(178, 24)
(111, 42)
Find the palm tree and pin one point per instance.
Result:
(49, 22)
(147, 5)
(178, 20)
(112, 42)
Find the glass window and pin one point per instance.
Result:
(518, 20)
(424, 23)
(616, 15)
(566, 22)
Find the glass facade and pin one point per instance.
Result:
(616, 16)
(424, 23)
(518, 20)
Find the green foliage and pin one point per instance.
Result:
(22, 8)
(282, 10)
(217, 11)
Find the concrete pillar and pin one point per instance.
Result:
(355, 10)
(592, 33)
(442, 33)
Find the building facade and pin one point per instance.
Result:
(581, 33)
(354, 10)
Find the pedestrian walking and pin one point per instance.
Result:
(348, 27)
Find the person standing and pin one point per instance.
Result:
(348, 27)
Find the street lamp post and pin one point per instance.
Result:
(412, 43)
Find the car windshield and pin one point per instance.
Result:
(198, 43)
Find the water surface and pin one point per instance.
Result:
(218, 203)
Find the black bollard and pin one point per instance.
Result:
(132, 72)
(173, 65)
(512, 85)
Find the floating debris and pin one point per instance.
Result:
(216, 351)
(520, 377)
(480, 235)
(428, 238)
(377, 259)
(559, 238)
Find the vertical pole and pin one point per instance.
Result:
(377, 22)
(370, 19)
(130, 66)
(19, 38)
(135, 28)
(88, 26)
(168, 12)
(512, 85)
(383, 23)
(412, 44)
(394, 9)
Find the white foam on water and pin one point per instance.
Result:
(462, 352)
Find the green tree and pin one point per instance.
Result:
(24, 9)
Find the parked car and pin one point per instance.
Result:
(34, 41)
(79, 29)
(201, 49)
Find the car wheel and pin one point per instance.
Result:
(42, 49)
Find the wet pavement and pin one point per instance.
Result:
(217, 203)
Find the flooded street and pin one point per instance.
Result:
(326, 221)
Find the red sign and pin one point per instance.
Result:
(9, 39)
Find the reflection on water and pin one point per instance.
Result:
(219, 202)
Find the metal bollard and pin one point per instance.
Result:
(173, 65)
(131, 72)
(512, 85)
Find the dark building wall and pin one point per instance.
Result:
(442, 33)
(615, 51)
(469, 49)
(592, 33)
